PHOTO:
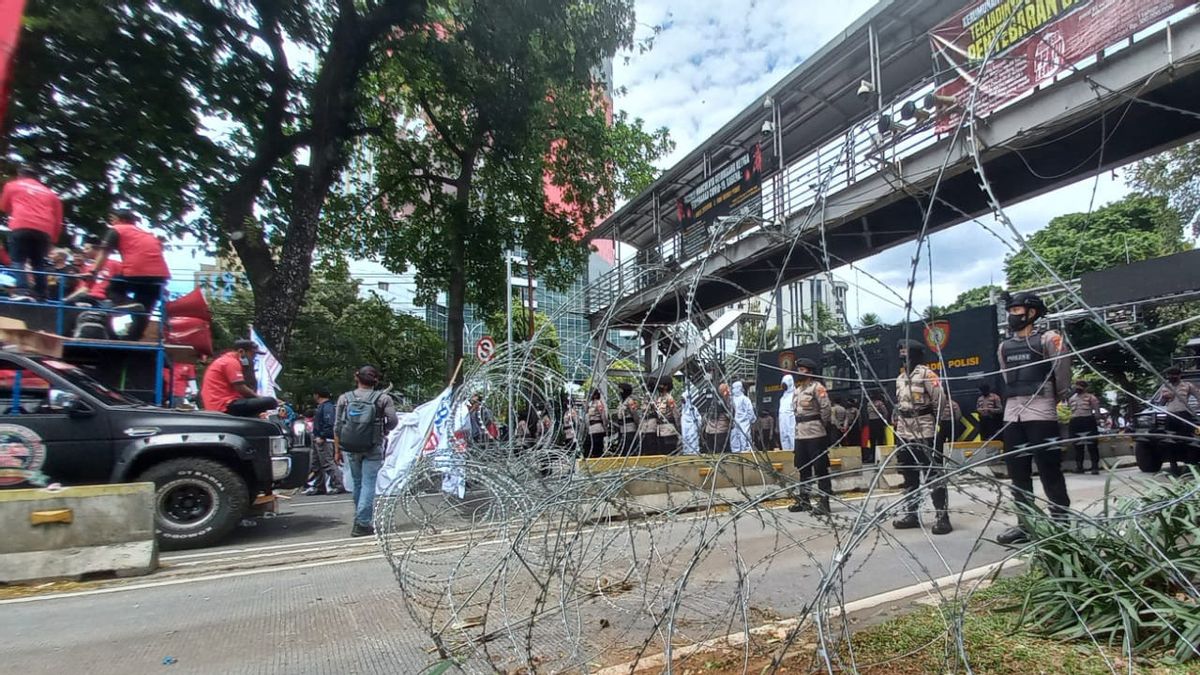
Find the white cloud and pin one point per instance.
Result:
(715, 57)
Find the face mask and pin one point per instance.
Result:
(245, 361)
(1079, 389)
(1017, 322)
(1174, 379)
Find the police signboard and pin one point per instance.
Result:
(485, 349)
(961, 347)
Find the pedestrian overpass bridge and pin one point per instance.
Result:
(852, 179)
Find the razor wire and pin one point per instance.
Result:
(549, 563)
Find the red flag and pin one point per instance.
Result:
(11, 12)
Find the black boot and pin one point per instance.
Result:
(822, 508)
(1013, 535)
(908, 522)
(942, 524)
(1078, 467)
(801, 504)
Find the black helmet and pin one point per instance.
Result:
(910, 344)
(1028, 301)
(807, 363)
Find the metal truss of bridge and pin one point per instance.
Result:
(846, 187)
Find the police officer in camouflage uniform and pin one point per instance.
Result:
(1037, 376)
(813, 409)
(919, 397)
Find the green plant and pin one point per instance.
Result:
(1127, 578)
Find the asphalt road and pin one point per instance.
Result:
(295, 595)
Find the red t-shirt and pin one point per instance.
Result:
(217, 392)
(32, 206)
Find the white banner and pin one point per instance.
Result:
(409, 439)
(266, 366)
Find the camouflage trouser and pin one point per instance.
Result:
(324, 475)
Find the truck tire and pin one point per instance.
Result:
(197, 502)
(1149, 459)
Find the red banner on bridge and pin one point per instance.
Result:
(1009, 47)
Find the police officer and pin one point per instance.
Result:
(949, 419)
(627, 417)
(991, 410)
(1037, 375)
(813, 412)
(918, 398)
(877, 416)
(837, 426)
(1085, 408)
(1177, 396)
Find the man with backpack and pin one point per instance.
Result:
(364, 416)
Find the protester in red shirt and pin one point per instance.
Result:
(226, 389)
(144, 270)
(35, 219)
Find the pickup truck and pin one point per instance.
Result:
(58, 425)
(1150, 426)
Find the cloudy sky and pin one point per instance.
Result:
(726, 53)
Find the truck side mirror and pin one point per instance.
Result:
(69, 402)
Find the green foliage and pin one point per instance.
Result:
(827, 324)
(755, 335)
(869, 319)
(1130, 584)
(1135, 228)
(1175, 175)
(480, 113)
(336, 332)
(1138, 226)
(546, 348)
(980, 296)
(195, 112)
(613, 395)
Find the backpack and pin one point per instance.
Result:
(361, 427)
(92, 326)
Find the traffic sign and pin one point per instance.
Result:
(485, 349)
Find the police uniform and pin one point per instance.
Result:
(949, 422)
(918, 397)
(1037, 375)
(648, 429)
(668, 437)
(1181, 421)
(837, 426)
(813, 412)
(991, 410)
(628, 421)
(877, 416)
(1085, 407)
(597, 420)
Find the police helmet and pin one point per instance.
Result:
(1028, 301)
(807, 363)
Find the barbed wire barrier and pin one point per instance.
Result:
(550, 564)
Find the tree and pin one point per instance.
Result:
(229, 120)
(1135, 228)
(336, 331)
(869, 319)
(1174, 174)
(546, 345)
(980, 296)
(754, 335)
(1138, 226)
(827, 324)
(486, 110)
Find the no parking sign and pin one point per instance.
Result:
(485, 349)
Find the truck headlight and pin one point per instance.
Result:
(279, 446)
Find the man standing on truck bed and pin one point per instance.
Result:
(225, 387)
(35, 223)
(364, 417)
(144, 270)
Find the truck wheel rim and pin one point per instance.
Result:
(187, 503)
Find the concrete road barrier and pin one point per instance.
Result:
(74, 531)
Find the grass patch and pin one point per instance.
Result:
(992, 639)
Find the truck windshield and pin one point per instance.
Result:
(84, 381)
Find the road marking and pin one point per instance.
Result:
(257, 549)
(331, 501)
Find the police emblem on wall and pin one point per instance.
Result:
(22, 454)
(937, 334)
(787, 361)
